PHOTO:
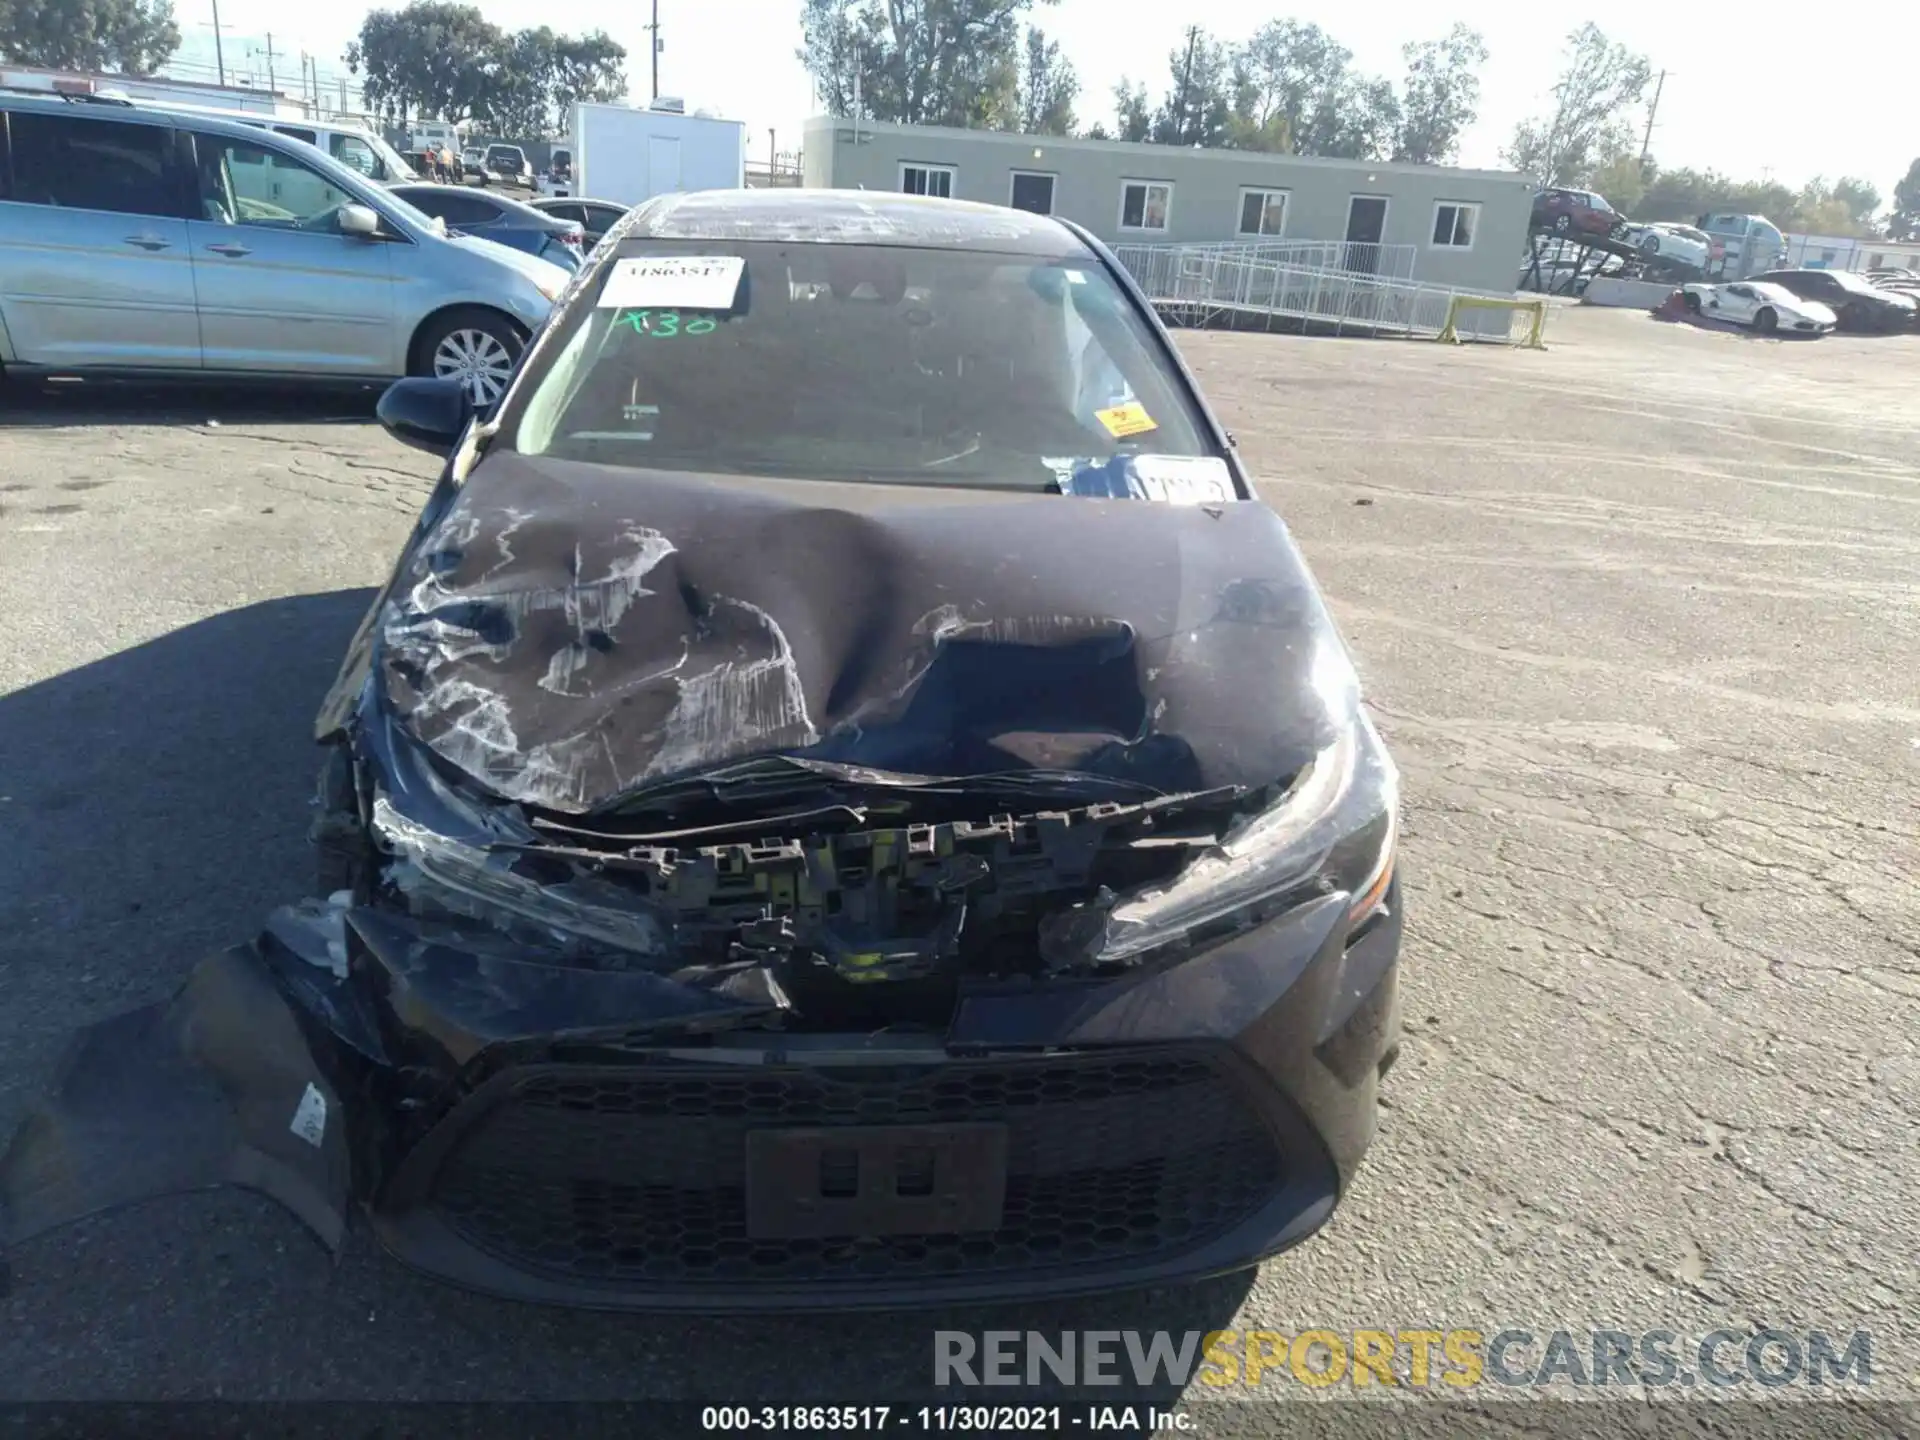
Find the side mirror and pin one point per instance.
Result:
(427, 413)
(360, 221)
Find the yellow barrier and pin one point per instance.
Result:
(1488, 302)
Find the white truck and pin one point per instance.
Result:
(625, 155)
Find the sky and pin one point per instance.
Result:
(1744, 99)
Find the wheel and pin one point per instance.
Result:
(1766, 322)
(478, 347)
(1651, 244)
(1692, 302)
(1562, 224)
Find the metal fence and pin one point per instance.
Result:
(1205, 285)
(1391, 262)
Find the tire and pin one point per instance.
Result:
(1766, 322)
(1691, 301)
(480, 347)
(1651, 244)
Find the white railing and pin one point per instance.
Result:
(1201, 285)
(1392, 262)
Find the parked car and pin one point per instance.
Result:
(473, 163)
(1857, 301)
(354, 146)
(808, 823)
(509, 165)
(1763, 306)
(135, 240)
(1676, 246)
(501, 220)
(596, 217)
(1575, 213)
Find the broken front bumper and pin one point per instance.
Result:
(622, 1140)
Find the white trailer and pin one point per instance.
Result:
(624, 155)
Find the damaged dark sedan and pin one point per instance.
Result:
(847, 799)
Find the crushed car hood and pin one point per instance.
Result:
(569, 634)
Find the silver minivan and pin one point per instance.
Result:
(136, 241)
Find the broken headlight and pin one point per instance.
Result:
(1334, 829)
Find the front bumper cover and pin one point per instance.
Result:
(351, 1057)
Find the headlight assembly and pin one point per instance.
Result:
(1334, 829)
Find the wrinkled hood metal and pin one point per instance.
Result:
(569, 633)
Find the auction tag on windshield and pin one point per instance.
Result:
(1182, 479)
(1128, 419)
(673, 282)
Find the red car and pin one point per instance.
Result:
(1575, 212)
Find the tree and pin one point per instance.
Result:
(1048, 87)
(133, 37)
(519, 95)
(1131, 115)
(1861, 199)
(1441, 96)
(446, 61)
(1602, 81)
(1623, 180)
(1285, 75)
(1198, 101)
(1904, 221)
(434, 58)
(916, 62)
(586, 67)
(833, 40)
(1358, 121)
(1294, 89)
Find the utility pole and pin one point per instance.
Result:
(272, 86)
(653, 32)
(219, 55)
(1646, 144)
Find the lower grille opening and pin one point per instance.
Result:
(612, 1179)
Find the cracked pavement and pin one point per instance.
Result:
(1639, 617)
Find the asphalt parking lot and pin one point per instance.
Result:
(1640, 616)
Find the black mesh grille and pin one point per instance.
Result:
(637, 1177)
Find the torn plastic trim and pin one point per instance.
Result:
(215, 1086)
(460, 993)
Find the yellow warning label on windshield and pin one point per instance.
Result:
(1128, 419)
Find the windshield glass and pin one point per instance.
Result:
(395, 162)
(857, 362)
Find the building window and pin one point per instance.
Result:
(918, 179)
(1144, 204)
(1032, 192)
(1454, 224)
(1263, 212)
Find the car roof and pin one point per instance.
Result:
(851, 217)
(507, 203)
(102, 108)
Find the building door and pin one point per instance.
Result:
(1366, 224)
(663, 164)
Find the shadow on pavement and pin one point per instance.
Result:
(155, 807)
(157, 799)
(27, 403)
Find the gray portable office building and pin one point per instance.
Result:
(1464, 228)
